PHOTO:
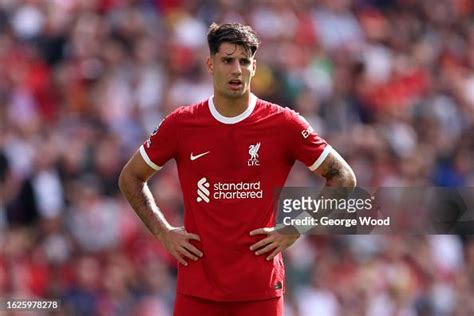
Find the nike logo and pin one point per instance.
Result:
(198, 156)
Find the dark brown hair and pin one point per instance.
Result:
(234, 33)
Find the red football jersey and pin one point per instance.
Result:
(228, 169)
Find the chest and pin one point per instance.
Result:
(231, 149)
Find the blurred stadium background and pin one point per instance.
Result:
(83, 82)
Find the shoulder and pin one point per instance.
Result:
(189, 110)
(267, 106)
(278, 112)
(268, 109)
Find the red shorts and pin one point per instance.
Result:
(186, 305)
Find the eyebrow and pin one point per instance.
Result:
(246, 59)
(242, 55)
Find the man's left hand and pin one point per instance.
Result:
(276, 240)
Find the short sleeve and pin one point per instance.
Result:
(162, 143)
(305, 144)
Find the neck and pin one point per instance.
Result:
(231, 107)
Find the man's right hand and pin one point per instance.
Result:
(176, 241)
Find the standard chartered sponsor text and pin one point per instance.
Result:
(237, 190)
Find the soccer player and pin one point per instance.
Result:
(232, 150)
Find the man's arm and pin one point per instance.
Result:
(338, 174)
(133, 184)
(336, 171)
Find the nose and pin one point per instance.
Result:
(236, 68)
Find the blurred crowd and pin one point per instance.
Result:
(389, 83)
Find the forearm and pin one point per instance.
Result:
(141, 199)
(340, 184)
(340, 187)
(340, 179)
(339, 175)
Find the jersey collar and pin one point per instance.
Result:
(234, 119)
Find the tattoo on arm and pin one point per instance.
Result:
(332, 172)
(340, 179)
(336, 171)
(141, 199)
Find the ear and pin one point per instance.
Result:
(210, 65)
(254, 67)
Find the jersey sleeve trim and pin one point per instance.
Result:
(321, 158)
(147, 159)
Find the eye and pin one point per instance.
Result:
(245, 62)
(226, 60)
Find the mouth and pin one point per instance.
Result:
(235, 84)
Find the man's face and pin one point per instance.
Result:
(232, 69)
